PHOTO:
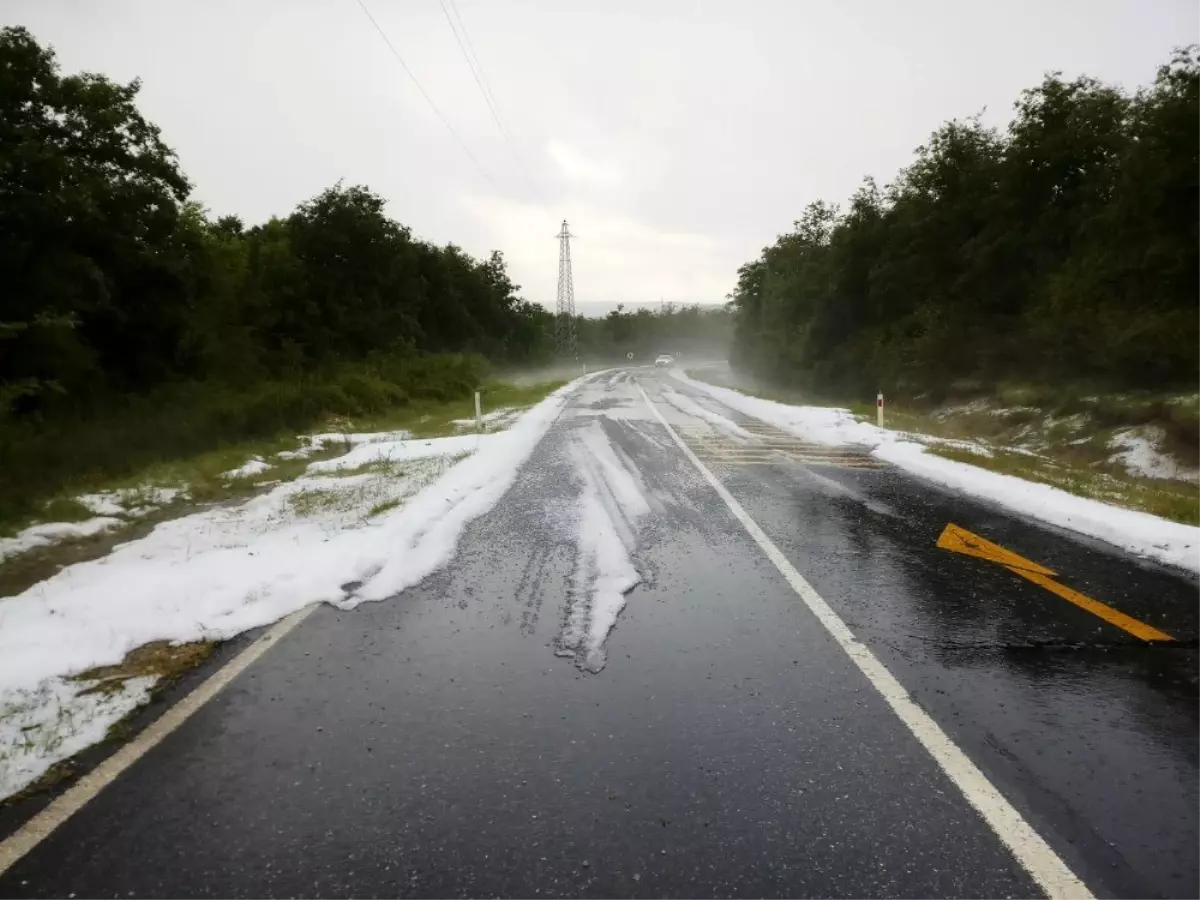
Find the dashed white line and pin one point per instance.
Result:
(1027, 846)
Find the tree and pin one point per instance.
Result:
(1065, 247)
(355, 261)
(89, 229)
(125, 305)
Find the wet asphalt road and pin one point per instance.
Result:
(436, 745)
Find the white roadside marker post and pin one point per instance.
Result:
(479, 414)
(879, 408)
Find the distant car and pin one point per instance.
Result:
(664, 360)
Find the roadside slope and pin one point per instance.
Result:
(1173, 543)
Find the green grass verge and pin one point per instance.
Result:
(205, 427)
(202, 474)
(66, 509)
(1072, 447)
(1169, 499)
(380, 508)
(310, 502)
(437, 419)
(1068, 429)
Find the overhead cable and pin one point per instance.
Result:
(428, 99)
(477, 75)
(463, 39)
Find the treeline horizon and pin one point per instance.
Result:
(116, 282)
(1062, 249)
(135, 327)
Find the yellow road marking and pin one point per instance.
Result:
(1107, 613)
(959, 540)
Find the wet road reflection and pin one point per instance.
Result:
(449, 742)
(1091, 731)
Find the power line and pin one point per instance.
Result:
(474, 56)
(428, 99)
(471, 49)
(481, 80)
(470, 65)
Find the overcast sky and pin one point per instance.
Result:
(677, 136)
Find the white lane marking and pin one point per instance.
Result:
(1030, 849)
(43, 824)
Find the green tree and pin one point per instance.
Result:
(1062, 248)
(89, 231)
(355, 262)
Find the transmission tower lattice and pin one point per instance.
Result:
(564, 323)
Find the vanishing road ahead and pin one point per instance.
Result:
(804, 695)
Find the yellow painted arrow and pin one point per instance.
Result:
(959, 540)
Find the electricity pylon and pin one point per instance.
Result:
(564, 323)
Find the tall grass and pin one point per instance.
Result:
(40, 460)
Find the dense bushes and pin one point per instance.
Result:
(128, 433)
(1064, 249)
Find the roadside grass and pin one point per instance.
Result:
(160, 659)
(1173, 500)
(72, 447)
(981, 425)
(66, 509)
(313, 501)
(345, 492)
(202, 475)
(202, 472)
(389, 467)
(1056, 435)
(43, 741)
(380, 508)
(427, 419)
(1052, 415)
(1066, 447)
(200, 478)
(23, 570)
